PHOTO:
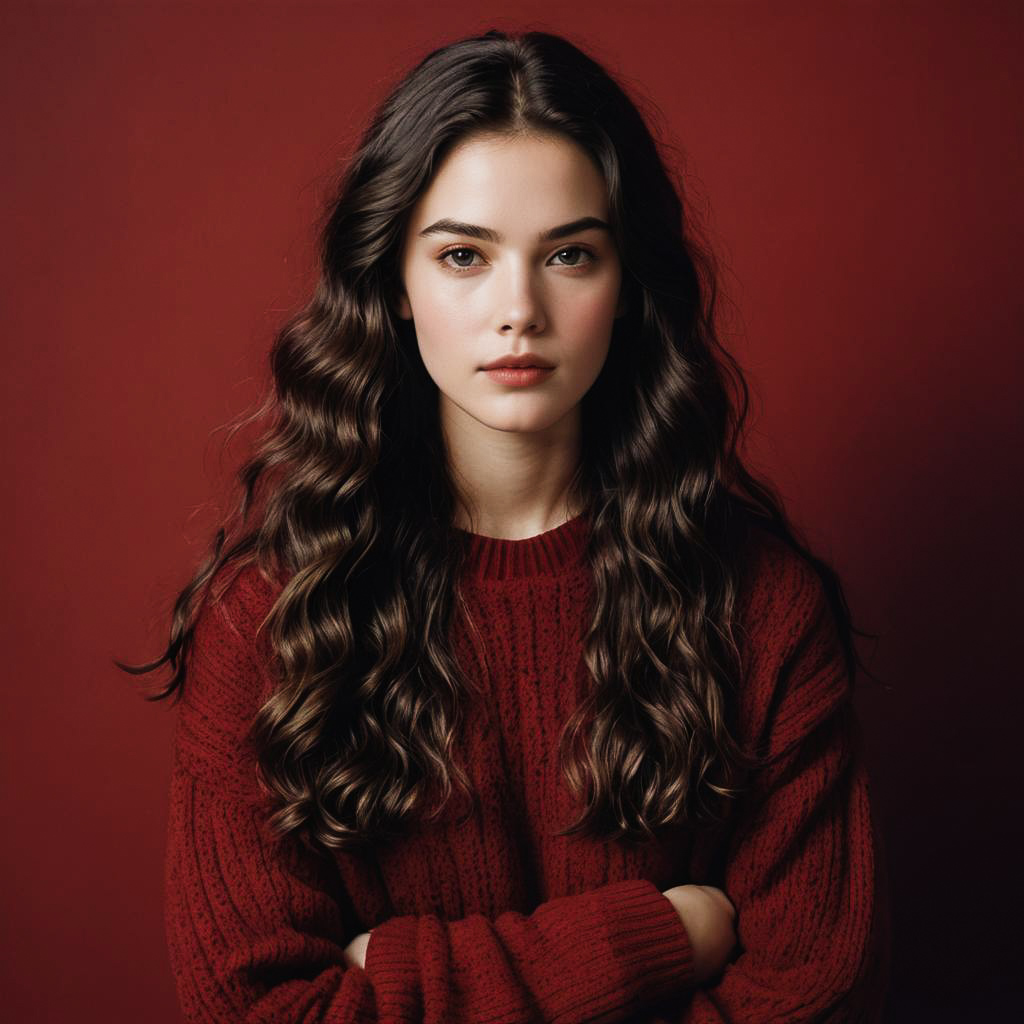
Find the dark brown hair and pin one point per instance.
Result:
(347, 498)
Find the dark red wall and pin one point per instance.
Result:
(162, 170)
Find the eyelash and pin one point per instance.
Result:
(442, 257)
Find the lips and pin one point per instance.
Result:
(518, 363)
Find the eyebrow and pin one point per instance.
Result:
(447, 226)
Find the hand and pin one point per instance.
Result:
(709, 918)
(355, 951)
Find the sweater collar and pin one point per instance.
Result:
(545, 554)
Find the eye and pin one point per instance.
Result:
(460, 258)
(462, 252)
(578, 249)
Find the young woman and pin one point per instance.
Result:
(506, 692)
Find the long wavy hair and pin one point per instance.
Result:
(348, 500)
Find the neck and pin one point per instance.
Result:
(511, 483)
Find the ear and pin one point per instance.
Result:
(620, 309)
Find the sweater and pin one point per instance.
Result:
(495, 920)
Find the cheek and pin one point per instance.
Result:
(445, 345)
(592, 324)
(440, 324)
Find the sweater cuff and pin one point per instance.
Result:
(649, 939)
(620, 943)
(391, 959)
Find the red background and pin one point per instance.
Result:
(164, 167)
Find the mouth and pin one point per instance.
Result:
(519, 363)
(519, 376)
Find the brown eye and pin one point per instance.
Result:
(578, 250)
(458, 254)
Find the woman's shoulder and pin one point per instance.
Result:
(795, 672)
(777, 581)
(237, 604)
(229, 677)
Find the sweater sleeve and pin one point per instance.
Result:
(257, 925)
(804, 866)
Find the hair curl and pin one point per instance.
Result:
(347, 496)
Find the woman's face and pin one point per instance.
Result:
(506, 255)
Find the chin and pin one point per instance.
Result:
(534, 424)
(518, 423)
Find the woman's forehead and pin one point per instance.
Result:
(528, 183)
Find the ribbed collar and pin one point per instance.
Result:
(545, 554)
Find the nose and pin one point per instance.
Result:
(521, 310)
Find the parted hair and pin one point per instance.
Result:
(347, 496)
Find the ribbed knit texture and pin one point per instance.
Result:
(496, 920)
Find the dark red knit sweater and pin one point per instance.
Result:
(497, 921)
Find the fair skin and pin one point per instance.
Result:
(515, 290)
(475, 299)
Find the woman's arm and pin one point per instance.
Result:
(255, 925)
(706, 913)
(804, 866)
(256, 933)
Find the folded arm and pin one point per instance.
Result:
(256, 933)
(257, 925)
(803, 867)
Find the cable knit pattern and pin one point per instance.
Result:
(496, 920)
